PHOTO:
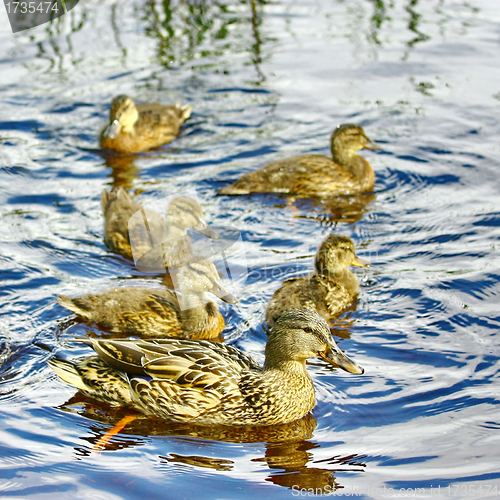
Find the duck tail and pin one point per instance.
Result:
(232, 190)
(94, 378)
(108, 197)
(105, 200)
(67, 372)
(75, 305)
(184, 111)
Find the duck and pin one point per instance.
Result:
(315, 175)
(206, 382)
(135, 128)
(188, 312)
(166, 244)
(329, 290)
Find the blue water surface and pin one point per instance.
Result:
(266, 80)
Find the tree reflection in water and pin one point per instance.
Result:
(190, 30)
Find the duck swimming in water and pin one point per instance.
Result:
(125, 224)
(315, 175)
(134, 128)
(330, 290)
(152, 312)
(209, 382)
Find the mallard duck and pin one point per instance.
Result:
(315, 175)
(134, 128)
(209, 382)
(125, 224)
(332, 288)
(159, 312)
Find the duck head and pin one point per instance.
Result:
(199, 278)
(349, 138)
(335, 254)
(122, 116)
(185, 212)
(301, 334)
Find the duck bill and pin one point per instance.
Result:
(336, 357)
(359, 263)
(372, 145)
(203, 228)
(112, 129)
(223, 294)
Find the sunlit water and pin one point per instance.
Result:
(422, 78)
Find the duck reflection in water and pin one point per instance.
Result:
(288, 448)
(124, 171)
(332, 211)
(288, 461)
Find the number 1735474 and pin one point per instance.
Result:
(31, 7)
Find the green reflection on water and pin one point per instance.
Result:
(192, 30)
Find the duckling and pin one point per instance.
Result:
(209, 382)
(134, 128)
(315, 175)
(155, 312)
(183, 212)
(327, 292)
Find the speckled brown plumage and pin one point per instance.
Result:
(329, 291)
(315, 175)
(207, 382)
(134, 128)
(151, 312)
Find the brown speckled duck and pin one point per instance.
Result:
(330, 290)
(209, 382)
(134, 128)
(183, 212)
(151, 312)
(315, 175)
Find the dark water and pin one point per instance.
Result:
(422, 78)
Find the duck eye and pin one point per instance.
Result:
(186, 210)
(200, 272)
(308, 329)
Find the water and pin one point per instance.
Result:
(422, 79)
